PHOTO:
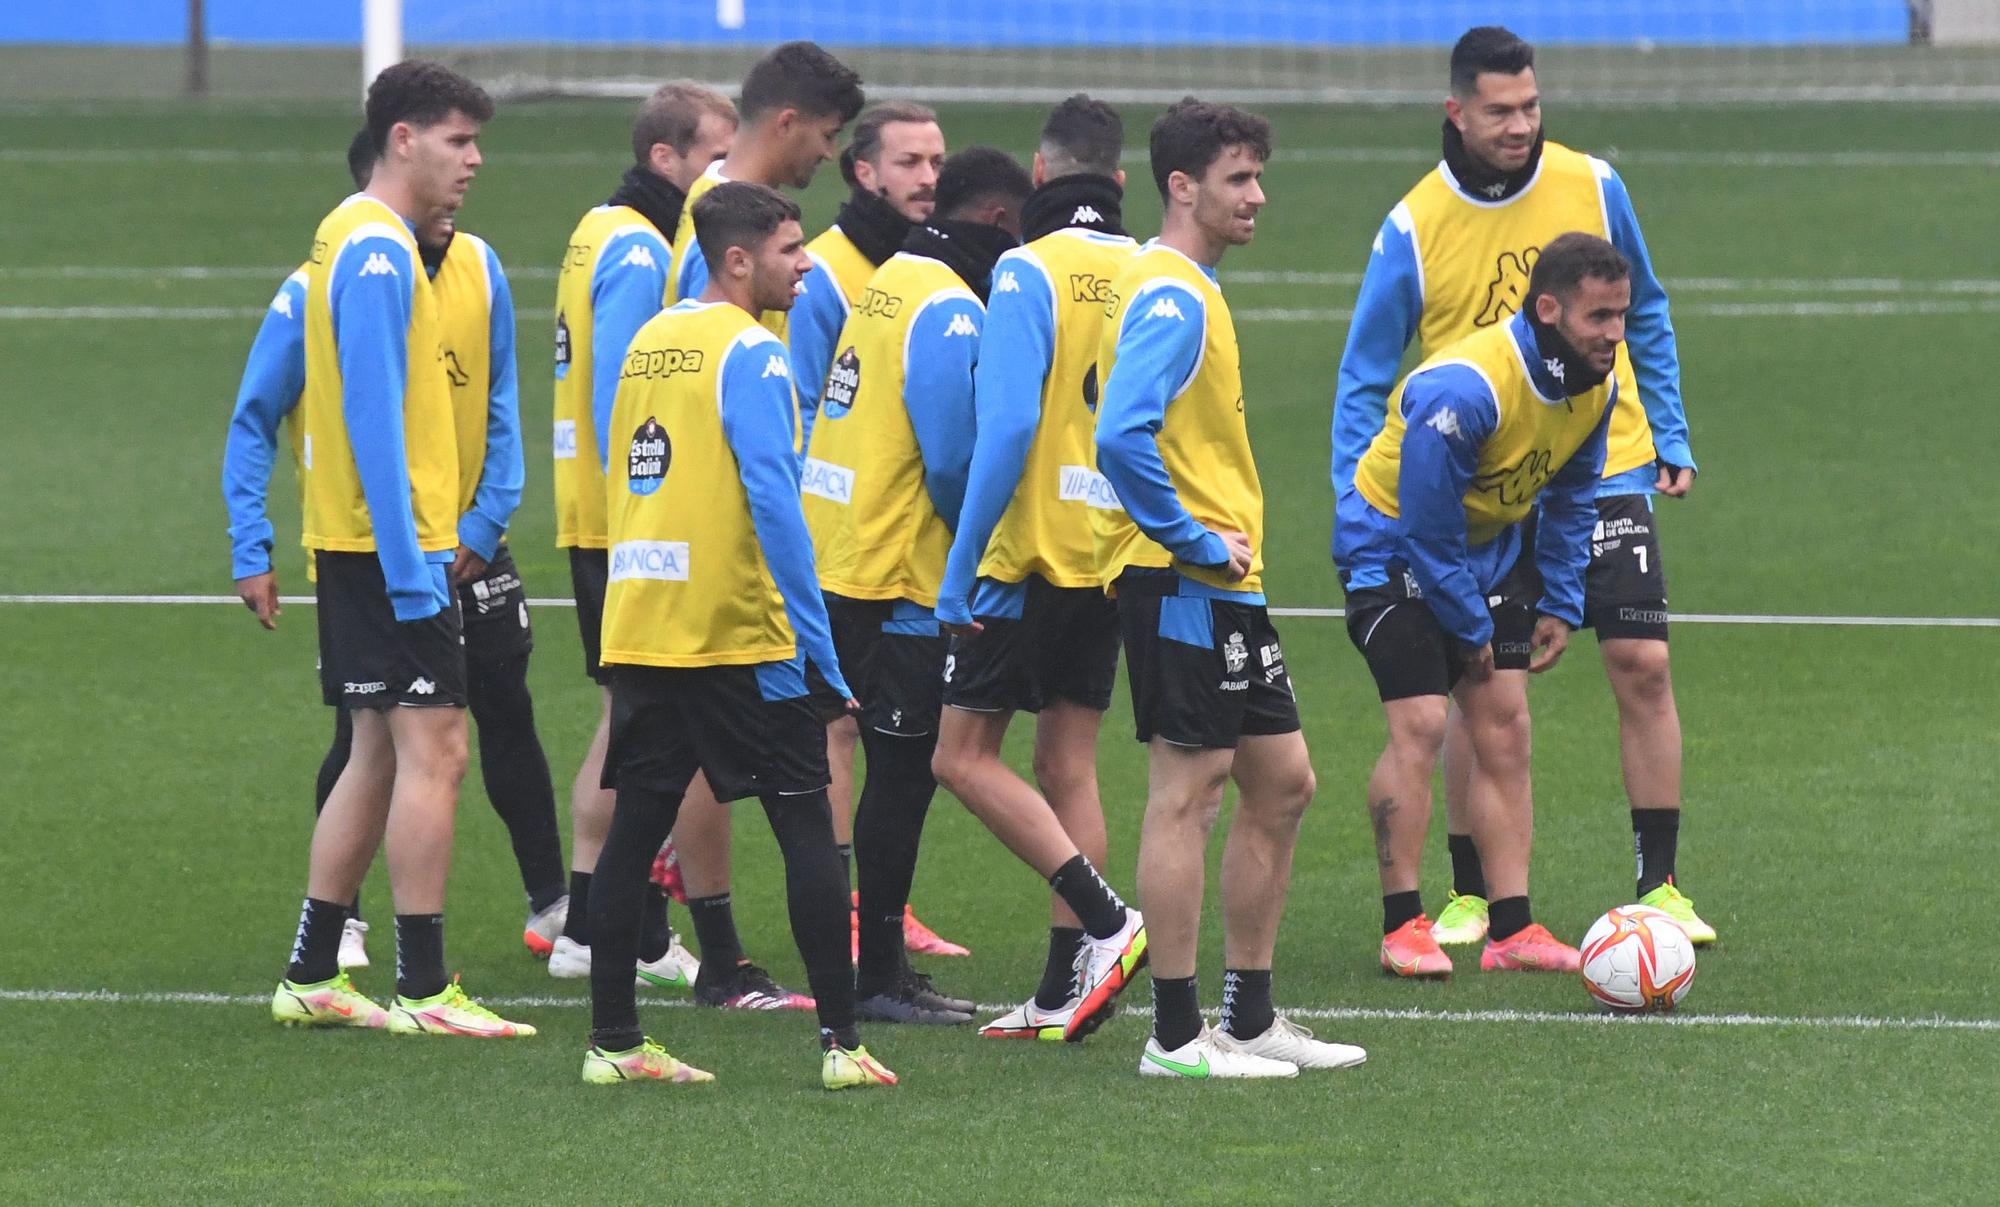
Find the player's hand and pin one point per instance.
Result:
(1239, 554)
(851, 706)
(1480, 667)
(259, 593)
(1675, 480)
(962, 630)
(466, 567)
(1550, 640)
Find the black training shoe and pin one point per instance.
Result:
(912, 1000)
(750, 988)
(925, 994)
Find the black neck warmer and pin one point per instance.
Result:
(968, 248)
(1563, 361)
(432, 254)
(1478, 180)
(1084, 199)
(872, 225)
(653, 196)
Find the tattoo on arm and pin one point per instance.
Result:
(1378, 816)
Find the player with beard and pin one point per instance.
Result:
(1032, 628)
(883, 483)
(1451, 605)
(612, 280)
(476, 321)
(714, 627)
(1454, 257)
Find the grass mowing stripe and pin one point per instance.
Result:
(1839, 1022)
(1896, 622)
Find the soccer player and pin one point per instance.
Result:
(1441, 595)
(884, 479)
(711, 618)
(613, 279)
(1454, 257)
(381, 487)
(796, 99)
(1032, 628)
(1210, 692)
(891, 169)
(476, 319)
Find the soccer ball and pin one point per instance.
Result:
(1637, 959)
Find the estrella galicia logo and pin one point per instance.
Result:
(1090, 388)
(646, 464)
(1509, 287)
(562, 345)
(843, 382)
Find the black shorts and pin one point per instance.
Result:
(1625, 588)
(495, 608)
(669, 722)
(1061, 644)
(1409, 653)
(368, 658)
(892, 655)
(1204, 672)
(589, 573)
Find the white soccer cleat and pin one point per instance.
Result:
(1287, 1041)
(353, 944)
(1211, 1054)
(543, 927)
(676, 969)
(1029, 1021)
(569, 960)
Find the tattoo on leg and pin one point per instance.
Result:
(1378, 815)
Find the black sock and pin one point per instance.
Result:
(1509, 916)
(715, 934)
(655, 934)
(888, 826)
(420, 955)
(1468, 879)
(1092, 900)
(316, 946)
(576, 928)
(816, 901)
(847, 864)
(1656, 834)
(336, 758)
(516, 772)
(848, 1037)
(1398, 908)
(640, 822)
(1246, 1002)
(1176, 1011)
(1059, 974)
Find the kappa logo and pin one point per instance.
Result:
(283, 304)
(1555, 367)
(1235, 655)
(961, 324)
(377, 265)
(1166, 308)
(1085, 213)
(1509, 286)
(661, 362)
(1517, 484)
(1496, 190)
(1445, 423)
(364, 689)
(423, 687)
(1007, 283)
(1089, 287)
(640, 256)
(453, 372)
(776, 367)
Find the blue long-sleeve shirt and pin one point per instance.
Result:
(273, 378)
(1017, 349)
(504, 471)
(1159, 348)
(817, 316)
(757, 422)
(940, 355)
(1391, 304)
(628, 287)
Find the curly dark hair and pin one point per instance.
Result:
(422, 93)
(738, 214)
(1194, 133)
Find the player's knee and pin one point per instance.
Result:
(952, 766)
(1416, 728)
(1284, 806)
(1064, 777)
(1640, 671)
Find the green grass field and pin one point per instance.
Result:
(1842, 1041)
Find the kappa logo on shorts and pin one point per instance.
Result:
(423, 687)
(1643, 615)
(364, 689)
(1235, 655)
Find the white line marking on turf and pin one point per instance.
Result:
(1831, 1022)
(1892, 622)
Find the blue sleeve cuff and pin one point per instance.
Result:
(480, 534)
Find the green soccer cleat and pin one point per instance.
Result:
(451, 1012)
(1668, 900)
(647, 1062)
(1463, 920)
(334, 1003)
(852, 1068)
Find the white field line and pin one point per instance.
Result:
(1891, 622)
(1877, 308)
(1837, 1022)
(608, 158)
